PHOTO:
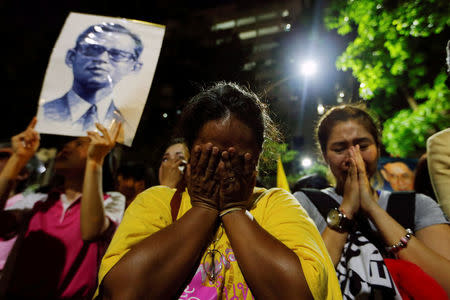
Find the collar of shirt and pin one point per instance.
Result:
(79, 106)
(66, 202)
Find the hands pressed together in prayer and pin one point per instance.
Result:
(220, 180)
(358, 193)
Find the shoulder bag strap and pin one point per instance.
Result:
(402, 207)
(321, 200)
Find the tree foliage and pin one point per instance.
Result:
(268, 162)
(406, 132)
(397, 54)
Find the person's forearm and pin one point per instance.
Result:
(93, 217)
(335, 242)
(159, 266)
(416, 252)
(8, 177)
(272, 270)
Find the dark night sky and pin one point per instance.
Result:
(30, 29)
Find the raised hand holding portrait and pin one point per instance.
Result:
(26, 143)
(112, 62)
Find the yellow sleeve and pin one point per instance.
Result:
(282, 216)
(147, 214)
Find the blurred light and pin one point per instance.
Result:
(306, 162)
(340, 100)
(164, 115)
(362, 85)
(41, 169)
(308, 68)
(320, 109)
(287, 27)
(341, 94)
(178, 111)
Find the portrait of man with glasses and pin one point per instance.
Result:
(103, 55)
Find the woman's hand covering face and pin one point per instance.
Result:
(237, 179)
(202, 176)
(220, 180)
(169, 172)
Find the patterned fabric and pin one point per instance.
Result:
(362, 272)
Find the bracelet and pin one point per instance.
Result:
(226, 211)
(402, 243)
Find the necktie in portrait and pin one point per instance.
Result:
(89, 118)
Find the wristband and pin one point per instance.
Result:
(402, 243)
(226, 211)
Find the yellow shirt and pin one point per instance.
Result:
(276, 210)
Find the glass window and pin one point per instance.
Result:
(265, 46)
(247, 34)
(224, 25)
(248, 66)
(246, 21)
(268, 30)
(267, 16)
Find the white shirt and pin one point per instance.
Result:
(79, 106)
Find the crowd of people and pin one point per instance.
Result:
(206, 231)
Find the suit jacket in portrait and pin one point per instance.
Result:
(59, 111)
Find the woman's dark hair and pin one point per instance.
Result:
(173, 141)
(344, 113)
(221, 100)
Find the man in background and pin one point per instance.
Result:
(399, 176)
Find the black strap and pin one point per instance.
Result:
(402, 207)
(323, 202)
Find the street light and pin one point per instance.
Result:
(308, 68)
(306, 162)
(320, 109)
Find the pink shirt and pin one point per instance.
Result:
(54, 261)
(19, 202)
